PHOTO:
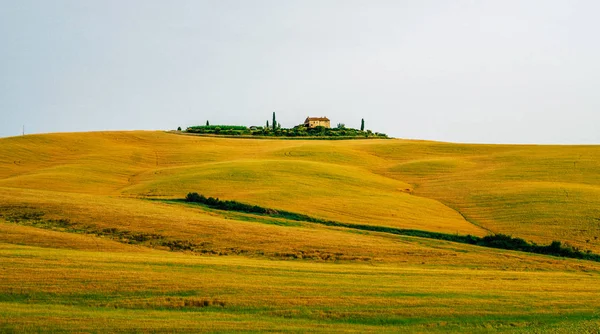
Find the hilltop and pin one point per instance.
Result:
(96, 212)
(312, 128)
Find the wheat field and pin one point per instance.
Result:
(90, 240)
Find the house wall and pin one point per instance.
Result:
(314, 124)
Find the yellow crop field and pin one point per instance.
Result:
(94, 236)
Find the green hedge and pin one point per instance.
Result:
(210, 128)
(501, 241)
(298, 131)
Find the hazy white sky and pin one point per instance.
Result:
(504, 71)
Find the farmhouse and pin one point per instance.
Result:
(313, 122)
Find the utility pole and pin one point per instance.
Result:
(23, 130)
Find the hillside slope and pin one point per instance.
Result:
(329, 180)
(89, 240)
(540, 193)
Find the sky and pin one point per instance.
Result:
(497, 71)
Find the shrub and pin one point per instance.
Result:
(194, 197)
(505, 242)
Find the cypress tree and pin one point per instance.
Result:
(362, 124)
(207, 124)
(274, 122)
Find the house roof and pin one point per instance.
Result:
(317, 119)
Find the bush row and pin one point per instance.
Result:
(224, 205)
(500, 241)
(298, 131)
(215, 127)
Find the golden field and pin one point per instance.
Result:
(86, 240)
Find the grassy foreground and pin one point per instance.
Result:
(83, 250)
(99, 291)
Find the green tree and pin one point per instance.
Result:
(362, 124)
(274, 122)
(207, 124)
(178, 128)
(267, 127)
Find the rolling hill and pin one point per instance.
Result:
(90, 239)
